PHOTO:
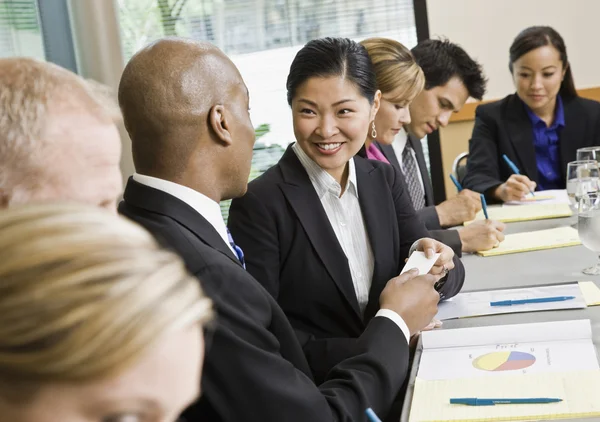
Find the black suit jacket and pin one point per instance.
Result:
(503, 127)
(291, 248)
(255, 369)
(428, 214)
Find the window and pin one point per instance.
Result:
(20, 33)
(262, 37)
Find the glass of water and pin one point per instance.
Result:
(589, 153)
(589, 227)
(583, 177)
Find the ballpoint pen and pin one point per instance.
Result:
(456, 183)
(514, 168)
(534, 300)
(484, 206)
(372, 416)
(473, 401)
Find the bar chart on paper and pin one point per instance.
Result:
(503, 361)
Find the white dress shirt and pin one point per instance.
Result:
(398, 146)
(205, 206)
(345, 216)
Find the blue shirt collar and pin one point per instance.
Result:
(559, 115)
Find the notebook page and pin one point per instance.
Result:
(580, 392)
(530, 212)
(534, 241)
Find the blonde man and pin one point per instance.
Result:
(103, 325)
(58, 138)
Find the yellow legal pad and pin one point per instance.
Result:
(590, 293)
(535, 241)
(530, 212)
(579, 390)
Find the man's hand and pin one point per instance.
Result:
(459, 209)
(514, 189)
(413, 298)
(444, 263)
(481, 235)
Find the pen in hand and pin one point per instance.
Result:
(372, 416)
(484, 206)
(514, 169)
(456, 183)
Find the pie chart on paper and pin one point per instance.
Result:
(504, 361)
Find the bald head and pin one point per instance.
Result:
(58, 139)
(166, 93)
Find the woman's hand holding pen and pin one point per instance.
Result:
(515, 188)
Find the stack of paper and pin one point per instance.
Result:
(591, 293)
(470, 304)
(558, 196)
(552, 359)
(530, 212)
(534, 241)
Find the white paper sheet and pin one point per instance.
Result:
(559, 196)
(508, 349)
(478, 303)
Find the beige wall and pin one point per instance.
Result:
(486, 28)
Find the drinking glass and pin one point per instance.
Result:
(588, 227)
(589, 153)
(582, 177)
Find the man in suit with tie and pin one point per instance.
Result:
(185, 107)
(451, 77)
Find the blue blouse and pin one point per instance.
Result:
(547, 151)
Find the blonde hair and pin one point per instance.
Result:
(31, 92)
(84, 293)
(395, 67)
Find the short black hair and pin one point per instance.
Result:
(540, 36)
(325, 57)
(442, 60)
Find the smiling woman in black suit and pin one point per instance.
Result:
(539, 128)
(323, 230)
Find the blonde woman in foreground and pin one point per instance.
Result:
(97, 322)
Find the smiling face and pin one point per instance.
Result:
(433, 107)
(537, 76)
(393, 114)
(331, 121)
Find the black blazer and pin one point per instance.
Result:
(428, 214)
(291, 248)
(254, 368)
(503, 127)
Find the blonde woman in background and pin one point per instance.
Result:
(97, 322)
(400, 80)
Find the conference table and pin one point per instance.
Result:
(551, 266)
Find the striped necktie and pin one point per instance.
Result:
(411, 175)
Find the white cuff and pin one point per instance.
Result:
(388, 313)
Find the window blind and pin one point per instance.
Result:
(20, 29)
(262, 37)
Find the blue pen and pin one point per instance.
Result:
(456, 183)
(514, 168)
(372, 416)
(535, 300)
(484, 206)
(472, 401)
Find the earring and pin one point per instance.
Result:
(373, 130)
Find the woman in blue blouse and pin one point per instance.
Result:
(539, 128)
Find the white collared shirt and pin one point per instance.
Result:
(346, 219)
(205, 206)
(398, 146)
